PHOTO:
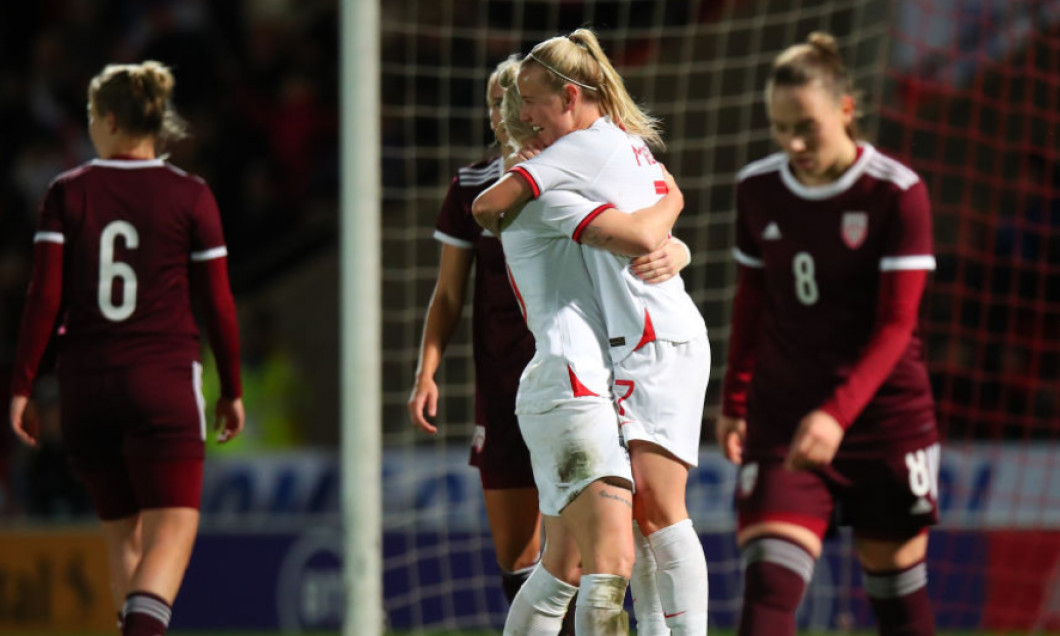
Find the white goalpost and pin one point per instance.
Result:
(360, 324)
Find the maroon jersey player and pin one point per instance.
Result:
(121, 242)
(502, 345)
(827, 404)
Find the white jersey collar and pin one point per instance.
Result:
(829, 190)
(129, 164)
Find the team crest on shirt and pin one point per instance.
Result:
(478, 440)
(854, 228)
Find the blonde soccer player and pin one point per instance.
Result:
(597, 144)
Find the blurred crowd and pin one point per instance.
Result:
(257, 82)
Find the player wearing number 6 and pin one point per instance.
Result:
(120, 243)
(827, 405)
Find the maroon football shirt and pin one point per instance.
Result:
(130, 232)
(502, 343)
(822, 251)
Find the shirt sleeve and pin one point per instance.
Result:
(908, 242)
(455, 225)
(746, 251)
(747, 308)
(207, 240)
(563, 165)
(44, 296)
(569, 213)
(896, 317)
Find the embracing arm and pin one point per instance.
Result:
(664, 263)
(489, 207)
(443, 316)
(636, 234)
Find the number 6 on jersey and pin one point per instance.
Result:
(109, 269)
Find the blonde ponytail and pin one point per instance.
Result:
(579, 59)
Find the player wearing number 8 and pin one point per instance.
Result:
(827, 404)
(121, 241)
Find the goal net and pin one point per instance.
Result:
(966, 91)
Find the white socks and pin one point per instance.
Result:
(681, 578)
(646, 604)
(599, 611)
(538, 608)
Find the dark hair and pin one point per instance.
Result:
(140, 98)
(817, 59)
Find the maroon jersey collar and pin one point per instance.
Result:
(839, 186)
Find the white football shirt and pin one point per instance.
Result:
(605, 163)
(554, 290)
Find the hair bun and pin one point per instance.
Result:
(823, 42)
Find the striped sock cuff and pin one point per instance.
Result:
(149, 605)
(895, 584)
(780, 552)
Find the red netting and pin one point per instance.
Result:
(972, 102)
(975, 110)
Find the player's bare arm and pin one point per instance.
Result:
(641, 232)
(230, 418)
(664, 263)
(25, 427)
(508, 194)
(443, 316)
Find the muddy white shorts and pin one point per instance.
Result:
(571, 446)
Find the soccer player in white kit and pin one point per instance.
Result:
(567, 418)
(657, 339)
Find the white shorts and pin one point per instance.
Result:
(571, 446)
(660, 390)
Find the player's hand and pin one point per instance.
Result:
(730, 433)
(815, 443)
(424, 396)
(230, 418)
(662, 264)
(25, 426)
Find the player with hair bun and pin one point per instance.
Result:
(121, 242)
(827, 404)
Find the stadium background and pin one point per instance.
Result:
(965, 91)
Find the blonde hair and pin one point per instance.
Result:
(816, 60)
(140, 98)
(519, 131)
(578, 59)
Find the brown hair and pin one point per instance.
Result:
(578, 59)
(140, 98)
(816, 60)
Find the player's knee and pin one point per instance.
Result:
(776, 573)
(614, 557)
(654, 514)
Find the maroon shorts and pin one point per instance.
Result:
(891, 498)
(135, 435)
(498, 449)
